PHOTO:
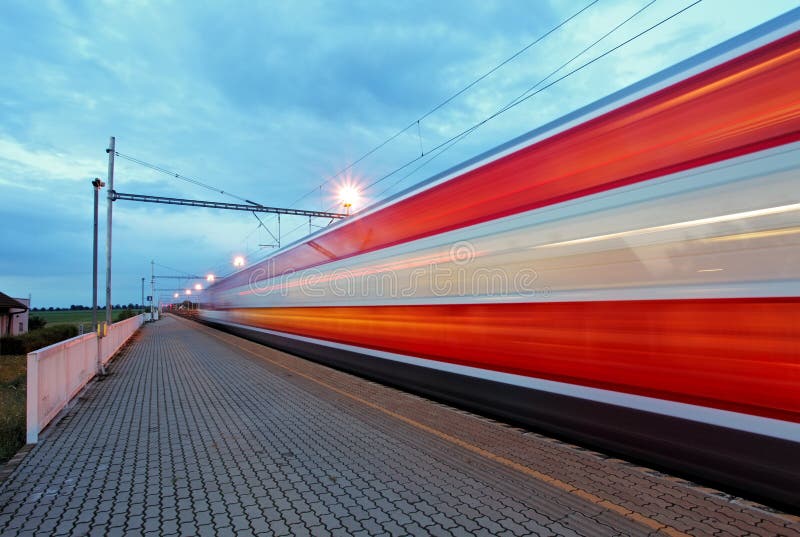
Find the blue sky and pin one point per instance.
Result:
(268, 100)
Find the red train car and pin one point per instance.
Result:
(627, 276)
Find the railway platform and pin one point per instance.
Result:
(198, 432)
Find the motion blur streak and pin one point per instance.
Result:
(745, 105)
(628, 276)
(679, 225)
(674, 349)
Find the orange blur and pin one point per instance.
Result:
(735, 354)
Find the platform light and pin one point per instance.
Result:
(188, 291)
(175, 295)
(238, 261)
(198, 287)
(349, 195)
(210, 278)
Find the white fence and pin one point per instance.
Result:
(57, 373)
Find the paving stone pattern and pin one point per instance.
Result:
(197, 432)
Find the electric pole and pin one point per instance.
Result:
(111, 150)
(152, 288)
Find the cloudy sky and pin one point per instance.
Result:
(268, 101)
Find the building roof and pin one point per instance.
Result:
(6, 302)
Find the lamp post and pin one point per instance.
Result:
(141, 304)
(97, 184)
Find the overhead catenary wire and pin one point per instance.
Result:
(529, 93)
(441, 105)
(525, 96)
(261, 224)
(447, 144)
(176, 175)
(193, 181)
(189, 274)
(435, 109)
(449, 99)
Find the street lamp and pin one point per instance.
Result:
(198, 287)
(348, 195)
(97, 184)
(175, 295)
(210, 278)
(238, 261)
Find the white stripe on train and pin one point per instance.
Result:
(662, 239)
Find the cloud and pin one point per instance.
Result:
(266, 100)
(42, 165)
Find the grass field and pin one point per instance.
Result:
(12, 405)
(72, 317)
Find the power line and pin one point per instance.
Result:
(188, 274)
(450, 142)
(451, 98)
(525, 97)
(261, 224)
(453, 141)
(586, 49)
(181, 177)
(528, 94)
(443, 103)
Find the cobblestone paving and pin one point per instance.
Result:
(196, 432)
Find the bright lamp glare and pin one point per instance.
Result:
(188, 291)
(210, 278)
(198, 287)
(175, 295)
(349, 195)
(238, 261)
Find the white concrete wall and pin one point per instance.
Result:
(59, 372)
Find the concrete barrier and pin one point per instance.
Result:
(59, 372)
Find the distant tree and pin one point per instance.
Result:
(124, 314)
(35, 322)
(50, 308)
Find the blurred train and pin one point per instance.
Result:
(627, 276)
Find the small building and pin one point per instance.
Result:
(13, 315)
